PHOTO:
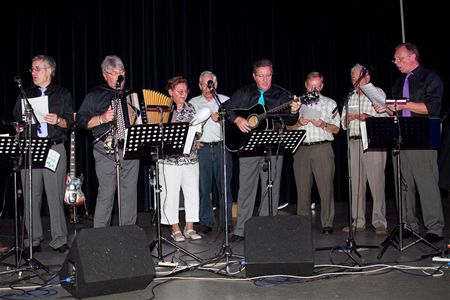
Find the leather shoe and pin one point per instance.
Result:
(433, 238)
(236, 238)
(3, 248)
(63, 249)
(204, 229)
(327, 230)
(36, 248)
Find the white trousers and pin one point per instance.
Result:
(171, 179)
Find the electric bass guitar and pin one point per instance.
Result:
(256, 117)
(73, 194)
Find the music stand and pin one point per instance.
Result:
(142, 140)
(269, 142)
(398, 133)
(14, 148)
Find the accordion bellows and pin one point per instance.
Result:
(157, 106)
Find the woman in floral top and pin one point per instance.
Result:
(180, 170)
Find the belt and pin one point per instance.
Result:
(355, 137)
(211, 143)
(315, 143)
(57, 142)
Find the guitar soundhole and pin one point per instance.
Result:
(253, 121)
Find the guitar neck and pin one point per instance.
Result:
(72, 169)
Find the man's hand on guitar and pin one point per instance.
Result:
(295, 106)
(242, 124)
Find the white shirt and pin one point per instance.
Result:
(211, 129)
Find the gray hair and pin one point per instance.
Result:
(205, 73)
(112, 61)
(359, 67)
(49, 60)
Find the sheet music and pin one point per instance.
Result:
(190, 137)
(363, 130)
(310, 113)
(39, 105)
(374, 94)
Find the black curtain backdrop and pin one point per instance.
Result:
(160, 39)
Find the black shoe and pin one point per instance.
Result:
(433, 238)
(327, 230)
(36, 248)
(63, 249)
(236, 238)
(204, 229)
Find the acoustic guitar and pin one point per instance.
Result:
(256, 117)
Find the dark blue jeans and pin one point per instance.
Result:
(211, 171)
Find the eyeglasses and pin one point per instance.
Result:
(37, 69)
(115, 73)
(261, 76)
(399, 59)
(181, 92)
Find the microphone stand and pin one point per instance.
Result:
(226, 249)
(114, 131)
(30, 116)
(350, 244)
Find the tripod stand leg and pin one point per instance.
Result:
(388, 241)
(163, 239)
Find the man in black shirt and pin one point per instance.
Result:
(419, 168)
(96, 113)
(252, 167)
(55, 127)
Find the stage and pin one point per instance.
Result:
(337, 274)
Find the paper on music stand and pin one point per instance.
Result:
(39, 105)
(309, 113)
(374, 94)
(202, 115)
(193, 129)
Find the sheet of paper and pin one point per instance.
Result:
(310, 113)
(190, 137)
(363, 130)
(354, 109)
(52, 160)
(373, 94)
(39, 105)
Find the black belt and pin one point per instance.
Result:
(315, 143)
(211, 143)
(57, 142)
(355, 137)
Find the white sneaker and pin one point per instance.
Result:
(191, 234)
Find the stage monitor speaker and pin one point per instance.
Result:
(108, 260)
(278, 245)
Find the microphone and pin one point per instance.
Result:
(367, 70)
(119, 81)
(210, 84)
(18, 80)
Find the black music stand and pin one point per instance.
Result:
(398, 133)
(152, 139)
(270, 142)
(15, 148)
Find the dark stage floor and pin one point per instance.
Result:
(407, 274)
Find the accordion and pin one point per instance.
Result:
(157, 107)
(128, 109)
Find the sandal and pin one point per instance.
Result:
(177, 236)
(191, 234)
